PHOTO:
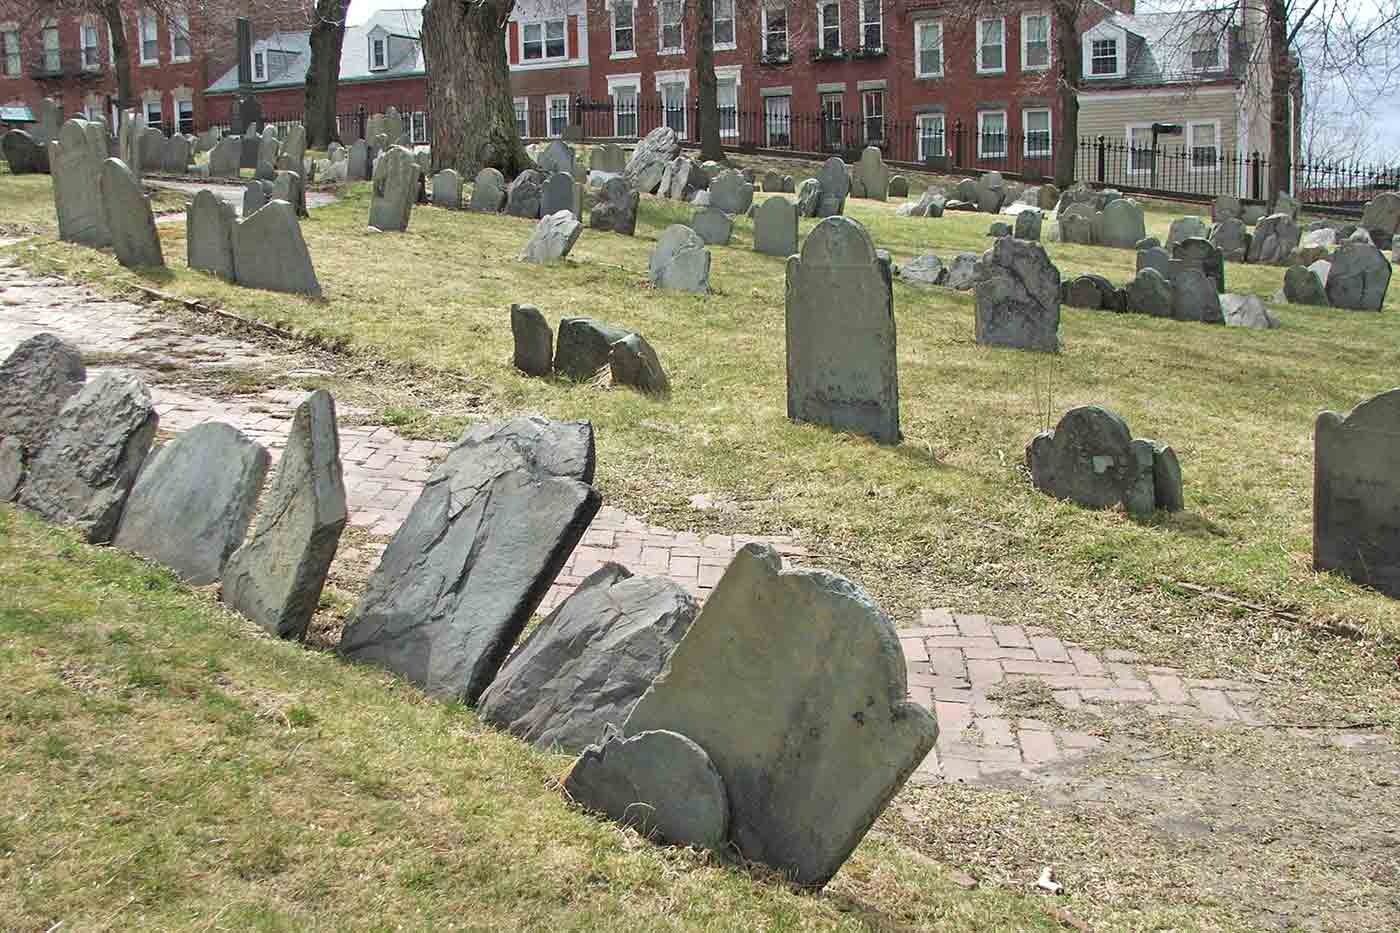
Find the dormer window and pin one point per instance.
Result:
(1205, 52)
(378, 53)
(1103, 59)
(259, 66)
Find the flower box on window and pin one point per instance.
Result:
(775, 59)
(869, 51)
(828, 55)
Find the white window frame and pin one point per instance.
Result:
(866, 96)
(521, 105)
(56, 49)
(770, 120)
(179, 25)
(723, 74)
(880, 11)
(1128, 138)
(1049, 151)
(982, 152)
(633, 83)
(1089, 57)
(1191, 127)
(259, 66)
(942, 121)
(787, 31)
(981, 23)
(143, 19)
(823, 25)
(146, 106)
(733, 42)
(180, 104)
(83, 30)
(830, 120)
(665, 79)
(418, 127)
(11, 56)
(920, 27)
(549, 103)
(1049, 41)
(543, 26)
(379, 45)
(1219, 49)
(631, 28)
(661, 47)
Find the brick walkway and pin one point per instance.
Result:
(957, 663)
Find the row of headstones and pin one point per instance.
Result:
(709, 730)
(266, 249)
(1355, 277)
(586, 350)
(265, 153)
(981, 194)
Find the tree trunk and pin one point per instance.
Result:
(121, 55)
(470, 106)
(707, 84)
(1071, 60)
(1280, 100)
(323, 75)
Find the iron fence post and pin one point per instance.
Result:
(1102, 159)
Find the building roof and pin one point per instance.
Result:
(288, 54)
(1159, 48)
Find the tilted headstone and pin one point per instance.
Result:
(447, 189)
(1356, 493)
(489, 191)
(1274, 240)
(1195, 297)
(1231, 237)
(553, 237)
(524, 194)
(775, 227)
(209, 223)
(83, 473)
(288, 187)
(276, 577)
(395, 190)
(24, 155)
(1200, 253)
(809, 195)
(1018, 297)
(534, 340)
(193, 501)
(989, 192)
(648, 163)
(1303, 286)
(713, 226)
(224, 157)
(835, 184)
(293, 149)
(611, 637)
(927, 269)
(731, 193)
(1087, 458)
(585, 346)
(36, 380)
(1381, 216)
(963, 272)
(1359, 277)
(1156, 258)
(76, 160)
(1028, 225)
(873, 173)
(615, 208)
(684, 175)
(1150, 293)
(608, 157)
(131, 128)
(793, 683)
(634, 363)
(1184, 227)
(270, 252)
(256, 193)
(495, 522)
(680, 261)
(1246, 311)
(129, 217)
(841, 360)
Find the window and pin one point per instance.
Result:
(1103, 57)
(775, 33)
(259, 66)
(378, 53)
(53, 60)
(873, 105)
(1035, 42)
(829, 24)
(558, 114)
(623, 29)
(1205, 52)
(728, 100)
(91, 57)
(1140, 154)
(777, 120)
(872, 26)
(180, 37)
(1036, 124)
(1204, 142)
(522, 117)
(673, 102)
(928, 49)
(625, 110)
(184, 109)
(991, 134)
(150, 47)
(671, 14)
(420, 127)
(10, 41)
(931, 136)
(991, 46)
(153, 112)
(542, 41)
(723, 24)
(833, 106)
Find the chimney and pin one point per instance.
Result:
(245, 52)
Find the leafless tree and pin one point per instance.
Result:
(323, 72)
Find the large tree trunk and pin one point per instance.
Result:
(1280, 100)
(121, 55)
(1070, 56)
(323, 75)
(470, 106)
(707, 84)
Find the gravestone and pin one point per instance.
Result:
(1274, 240)
(1028, 224)
(193, 501)
(523, 195)
(1123, 223)
(391, 124)
(924, 270)
(612, 634)
(36, 380)
(489, 191)
(49, 123)
(152, 146)
(270, 252)
(1184, 227)
(1356, 493)
(553, 237)
(84, 471)
(249, 147)
(731, 193)
(1195, 298)
(963, 272)
(360, 157)
(684, 174)
(834, 183)
(293, 153)
(560, 193)
(794, 685)
(1359, 277)
(1226, 207)
(1202, 254)
(494, 524)
(75, 160)
(999, 228)
(585, 346)
(1284, 203)
(608, 157)
(224, 158)
(534, 341)
(209, 223)
(1381, 216)
(1150, 293)
(1246, 311)
(648, 163)
(775, 227)
(899, 186)
(129, 217)
(713, 226)
(633, 362)
(24, 155)
(11, 467)
(808, 197)
(1154, 257)
(395, 190)
(269, 149)
(256, 193)
(129, 131)
(841, 359)
(276, 577)
(177, 156)
(1231, 237)
(680, 261)
(615, 208)
(1089, 291)
(1018, 297)
(288, 187)
(447, 189)
(1303, 286)
(772, 181)
(988, 192)
(1087, 458)
(873, 173)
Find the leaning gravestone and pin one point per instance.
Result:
(256, 193)
(927, 269)
(713, 226)
(873, 173)
(615, 208)
(585, 346)
(1246, 311)
(1155, 258)
(1123, 223)
(1018, 297)
(129, 217)
(23, 154)
(680, 261)
(1150, 293)
(534, 341)
(209, 223)
(633, 362)
(1194, 298)
(648, 163)
(1359, 277)
(489, 191)
(1275, 238)
(1303, 286)
(269, 149)
(447, 189)
(83, 473)
(1086, 459)
(223, 158)
(841, 360)
(989, 192)
(775, 228)
(1381, 216)
(808, 197)
(193, 501)
(1200, 253)
(36, 381)
(1028, 224)
(557, 157)
(524, 193)
(293, 150)
(834, 184)
(1356, 493)
(270, 252)
(793, 684)
(613, 634)
(288, 187)
(552, 238)
(395, 189)
(276, 577)
(496, 521)
(731, 193)
(76, 160)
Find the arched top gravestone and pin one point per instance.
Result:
(1356, 493)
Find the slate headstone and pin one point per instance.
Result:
(899, 186)
(553, 237)
(731, 193)
(489, 191)
(129, 217)
(834, 183)
(585, 347)
(1087, 458)
(1359, 277)
(608, 157)
(75, 160)
(648, 163)
(1123, 223)
(24, 155)
(775, 227)
(1303, 286)
(177, 156)
(713, 226)
(615, 208)
(1356, 493)
(534, 340)
(395, 190)
(1150, 293)
(560, 193)
(963, 272)
(288, 186)
(1246, 311)
(523, 195)
(224, 157)
(927, 269)
(209, 223)
(270, 252)
(809, 197)
(680, 261)
(1028, 224)
(1194, 298)
(36, 380)
(1274, 240)
(634, 363)
(873, 173)
(1018, 297)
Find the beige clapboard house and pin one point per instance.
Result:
(1206, 73)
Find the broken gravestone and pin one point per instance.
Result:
(615, 208)
(36, 381)
(1018, 297)
(634, 363)
(1092, 459)
(395, 190)
(680, 261)
(1356, 493)
(534, 341)
(552, 238)
(585, 346)
(270, 252)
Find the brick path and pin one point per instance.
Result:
(956, 662)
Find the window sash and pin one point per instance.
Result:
(625, 110)
(1038, 135)
(873, 109)
(1205, 154)
(829, 12)
(624, 24)
(777, 121)
(12, 57)
(991, 45)
(1140, 155)
(872, 26)
(722, 23)
(991, 135)
(1103, 57)
(153, 115)
(673, 102)
(932, 136)
(150, 47)
(180, 37)
(1036, 30)
(1205, 53)
(671, 37)
(727, 101)
(522, 117)
(377, 53)
(558, 115)
(775, 33)
(259, 66)
(184, 110)
(930, 51)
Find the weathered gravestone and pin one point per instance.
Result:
(586, 665)
(963, 272)
(1381, 217)
(534, 341)
(1303, 286)
(1226, 207)
(841, 360)
(395, 190)
(731, 193)
(1091, 458)
(224, 157)
(480, 548)
(249, 145)
(1231, 237)
(523, 195)
(269, 149)
(276, 577)
(177, 156)
(129, 131)
(561, 193)
(1028, 225)
(1123, 224)
(151, 146)
(361, 161)
(1200, 253)
(270, 252)
(209, 223)
(553, 237)
(24, 155)
(1156, 258)
(447, 189)
(874, 175)
(1018, 297)
(834, 185)
(775, 227)
(988, 192)
(256, 194)
(808, 197)
(899, 186)
(794, 685)
(608, 157)
(1274, 240)
(76, 160)
(615, 208)
(1359, 277)
(927, 269)
(1246, 311)
(585, 346)
(713, 226)
(83, 473)
(1150, 293)
(193, 501)
(288, 187)
(680, 261)
(1356, 493)
(1089, 291)
(686, 178)
(293, 153)
(557, 157)
(633, 362)
(1195, 298)
(129, 217)
(1076, 224)
(36, 381)
(1184, 227)
(648, 163)
(489, 191)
